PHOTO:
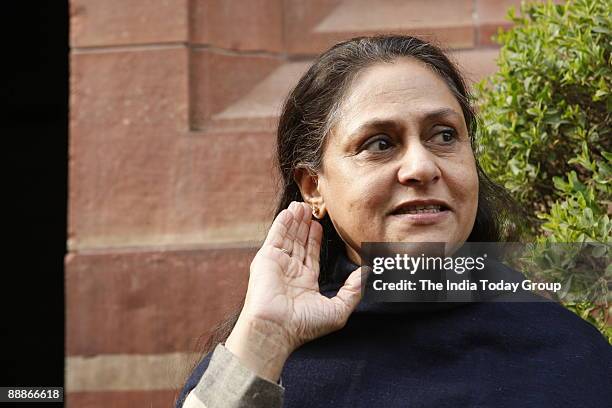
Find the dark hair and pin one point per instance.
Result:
(307, 117)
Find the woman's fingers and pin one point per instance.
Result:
(284, 229)
(313, 247)
(290, 231)
(277, 235)
(295, 233)
(349, 295)
(302, 216)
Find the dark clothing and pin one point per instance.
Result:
(486, 354)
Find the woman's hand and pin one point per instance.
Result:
(284, 308)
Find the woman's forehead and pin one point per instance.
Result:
(404, 90)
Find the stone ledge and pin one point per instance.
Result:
(312, 27)
(121, 399)
(154, 302)
(122, 22)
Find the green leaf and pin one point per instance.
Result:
(546, 118)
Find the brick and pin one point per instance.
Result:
(260, 107)
(127, 372)
(121, 399)
(238, 25)
(200, 188)
(312, 27)
(300, 18)
(120, 188)
(476, 64)
(121, 88)
(225, 184)
(491, 15)
(495, 11)
(125, 111)
(150, 302)
(220, 80)
(139, 177)
(121, 22)
(488, 32)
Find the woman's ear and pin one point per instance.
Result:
(308, 183)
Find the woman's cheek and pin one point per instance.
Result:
(463, 178)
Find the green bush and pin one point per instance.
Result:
(546, 131)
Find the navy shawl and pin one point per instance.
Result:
(484, 354)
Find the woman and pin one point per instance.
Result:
(376, 141)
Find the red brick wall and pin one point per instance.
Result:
(172, 112)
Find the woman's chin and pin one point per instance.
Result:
(449, 238)
(430, 233)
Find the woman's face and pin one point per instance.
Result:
(398, 165)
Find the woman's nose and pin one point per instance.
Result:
(418, 167)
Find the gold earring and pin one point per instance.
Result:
(315, 212)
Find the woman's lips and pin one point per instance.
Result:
(424, 218)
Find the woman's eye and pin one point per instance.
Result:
(446, 136)
(377, 145)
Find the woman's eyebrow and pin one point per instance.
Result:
(440, 113)
(385, 123)
(377, 124)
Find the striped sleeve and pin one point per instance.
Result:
(227, 383)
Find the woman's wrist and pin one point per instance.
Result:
(259, 345)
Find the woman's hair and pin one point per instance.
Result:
(309, 113)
